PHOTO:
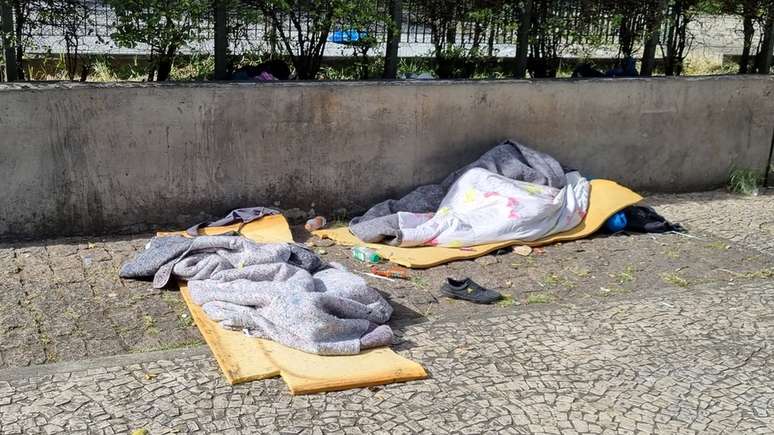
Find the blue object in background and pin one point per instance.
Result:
(346, 36)
(616, 222)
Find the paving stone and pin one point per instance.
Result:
(693, 343)
(677, 343)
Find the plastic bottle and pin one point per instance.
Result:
(365, 255)
(315, 223)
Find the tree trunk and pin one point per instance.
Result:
(221, 40)
(477, 29)
(71, 54)
(749, 31)
(19, 32)
(682, 39)
(655, 19)
(393, 40)
(165, 68)
(522, 50)
(6, 28)
(490, 42)
(85, 71)
(626, 34)
(305, 68)
(767, 45)
(670, 60)
(165, 64)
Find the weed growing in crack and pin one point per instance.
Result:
(675, 280)
(540, 298)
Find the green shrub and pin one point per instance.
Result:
(744, 181)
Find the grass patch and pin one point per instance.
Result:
(580, 272)
(760, 274)
(420, 282)
(606, 292)
(506, 301)
(744, 181)
(71, 314)
(718, 245)
(175, 301)
(149, 323)
(625, 276)
(554, 280)
(675, 280)
(540, 298)
(184, 320)
(702, 66)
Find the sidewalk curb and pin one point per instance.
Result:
(100, 362)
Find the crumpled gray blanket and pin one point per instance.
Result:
(281, 292)
(510, 159)
(245, 215)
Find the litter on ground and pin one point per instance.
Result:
(268, 306)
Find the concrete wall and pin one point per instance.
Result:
(96, 159)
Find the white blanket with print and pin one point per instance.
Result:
(483, 207)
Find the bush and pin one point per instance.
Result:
(745, 181)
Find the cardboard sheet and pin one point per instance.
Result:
(606, 199)
(268, 229)
(244, 359)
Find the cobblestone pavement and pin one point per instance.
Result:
(62, 300)
(692, 361)
(747, 220)
(644, 333)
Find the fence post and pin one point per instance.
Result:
(221, 40)
(522, 49)
(6, 28)
(393, 40)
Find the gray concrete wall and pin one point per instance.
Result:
(97, 159)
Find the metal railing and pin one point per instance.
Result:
(500, 27)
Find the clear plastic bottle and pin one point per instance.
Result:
(315, 223)
(366, 255)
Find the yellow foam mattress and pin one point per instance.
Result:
(605, 199)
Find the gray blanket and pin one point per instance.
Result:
(281, 292)
(510, 159)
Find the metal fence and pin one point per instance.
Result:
(500, 28)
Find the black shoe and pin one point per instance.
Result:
(469, 291)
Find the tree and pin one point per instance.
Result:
(766, 51)
(550, 29)
(70, 17)
(748, 10)
(164, 26)
(442, 17)
(394, 31)
(24, 22)
(653, 22)
(363, 16)
(678, 40)
(522, 44)
(459, 29)
(309, 25)
(6, 36)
